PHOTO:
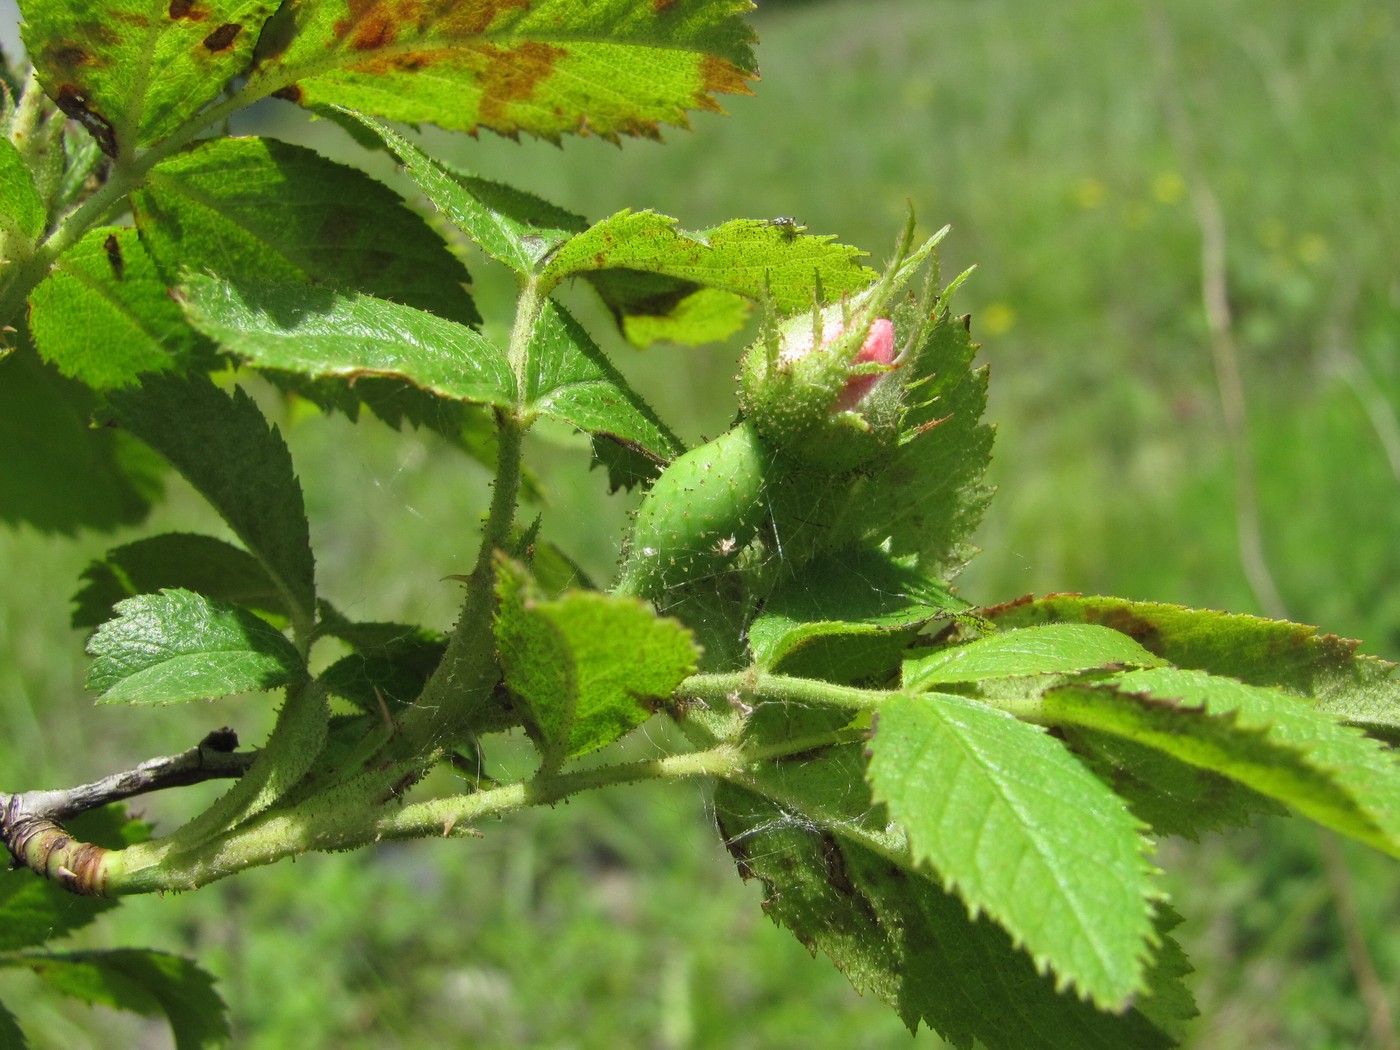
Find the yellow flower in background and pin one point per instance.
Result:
(1090, 193)
(1168, 188)
(996, 318)
(1312, 249)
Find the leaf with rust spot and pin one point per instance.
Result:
(548, 68)
(132, 71)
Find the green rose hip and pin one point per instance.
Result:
(701, 512)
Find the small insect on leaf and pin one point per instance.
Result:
(786, 225)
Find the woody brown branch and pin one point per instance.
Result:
(30, 821)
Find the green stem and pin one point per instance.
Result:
(753, 686)
(326, 822)
(290, 752)
(461, 688)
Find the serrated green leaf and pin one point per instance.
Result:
(1168, 1002)
(549, 68)
(586, 667)
(846, 615)
(746, 257)
(103, 315)
(1271, 742)
(131, 71)
(62, 474)
(177, 645)
(511, 226)
(1019, 828)
(320, 333)
(21, 210)
(226, 449)
(209, 566)
(11, 1035)
(570, 380)
(1324, 668)
(257, 208)
(843, 887)
(1051, 649)
(145, 982)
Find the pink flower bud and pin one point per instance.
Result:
(878, 347)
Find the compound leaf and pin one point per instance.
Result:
(1172, 796)
(587, 667)
(177, 645)
(846, 615)
(548, 68)
(145, 982)
(1018, 827)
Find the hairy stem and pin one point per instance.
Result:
(754, 687)
(325, 822)
(460, 689)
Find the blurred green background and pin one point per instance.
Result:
(1046, 136)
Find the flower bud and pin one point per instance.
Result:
(816, 385)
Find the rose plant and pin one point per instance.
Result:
(956, 803)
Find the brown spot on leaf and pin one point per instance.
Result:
(374, 24)
(70, 57)
(75, 105)
(113, 248)
(222, 38)
(993, 611)
(290, 93)
(187, 9)
(471, 17)
(513, 74)
(662, 6)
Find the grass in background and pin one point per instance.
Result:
(618, 921)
